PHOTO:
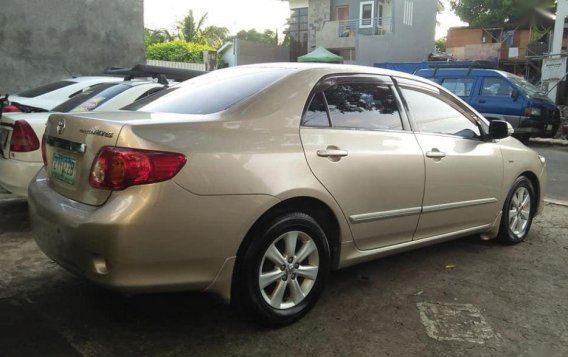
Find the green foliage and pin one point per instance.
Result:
(494, 12)
(190, 29)
(441, 44)
(215, 36)
(178, 51)
(268, 36)
(157, 36)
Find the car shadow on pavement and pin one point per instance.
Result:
(14, 216)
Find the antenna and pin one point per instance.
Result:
(69, 72)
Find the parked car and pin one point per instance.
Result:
(254, 182)
(47, 97)
(501, 95)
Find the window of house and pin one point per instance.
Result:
(298, 33)
(459, 86)
(368, 106)
(433, 115)
(496, 87)
(408, 18)
(366, 14)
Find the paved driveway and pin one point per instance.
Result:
(462, 298)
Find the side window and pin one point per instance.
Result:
(496, 87)
(363, 106)
(433, 115)
(316, 115)
(459, 86)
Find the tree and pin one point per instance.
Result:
(268, 36)
(157, 36)
(191, 29)
(494, 12)
(215, 36)
(441, 44)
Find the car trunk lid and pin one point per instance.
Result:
(71, 145)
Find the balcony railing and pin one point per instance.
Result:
(366, 27)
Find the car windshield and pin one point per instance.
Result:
(91, 97)
(527, 88)
(212, 92)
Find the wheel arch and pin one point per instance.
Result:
(319, 210)
(533, 178)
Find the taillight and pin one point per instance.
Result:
(118, 168)
(24, 138)
(9, 108)
(43, 149)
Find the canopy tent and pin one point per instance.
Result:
(321, 55)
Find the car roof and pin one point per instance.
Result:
(336, 69)
(461, 72)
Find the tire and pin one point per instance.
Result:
(517, 216)
(283, 270)
(524, 138)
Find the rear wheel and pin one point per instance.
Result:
(284, 270)
(518, 212)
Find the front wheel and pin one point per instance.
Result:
(284, 270)
(518, 212)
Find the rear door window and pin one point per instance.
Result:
(36, 92)
(496, 87)
(369, 106)
(459, 86)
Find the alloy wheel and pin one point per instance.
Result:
(288, 270)
(519, 211)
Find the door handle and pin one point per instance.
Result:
(332, 153)
(435, 154)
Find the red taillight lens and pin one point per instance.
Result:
(118, 168)
(10, 109)
(43, 151)
(24, 138)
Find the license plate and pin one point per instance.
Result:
(63, 168)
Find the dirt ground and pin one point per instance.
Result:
(462, 298)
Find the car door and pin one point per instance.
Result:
(464, 170)
(497, 99)
(358, 144)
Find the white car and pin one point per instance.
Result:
(48, 96)
(21, 133)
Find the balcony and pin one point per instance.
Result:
(343, 34)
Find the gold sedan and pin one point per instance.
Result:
(254, 182)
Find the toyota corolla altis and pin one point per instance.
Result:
(254, 182)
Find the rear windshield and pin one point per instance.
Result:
(212, 92)
(31, 93)
(91, 97)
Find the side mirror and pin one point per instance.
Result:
(500, 129)
(515, 94)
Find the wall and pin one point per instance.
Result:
(319, 12)
(42, 41)
(406, 43)
(241, 52)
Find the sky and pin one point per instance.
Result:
(243, 14)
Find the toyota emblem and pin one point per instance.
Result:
(61, 126)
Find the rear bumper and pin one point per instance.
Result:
(15, 175)
(147, 238)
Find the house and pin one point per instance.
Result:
(517, 47)
(238, 52)
(365, 32)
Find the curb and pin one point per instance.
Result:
(556, 202)
(560, 142)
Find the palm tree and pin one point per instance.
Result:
(190, 30)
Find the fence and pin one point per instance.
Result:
(179, 65)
